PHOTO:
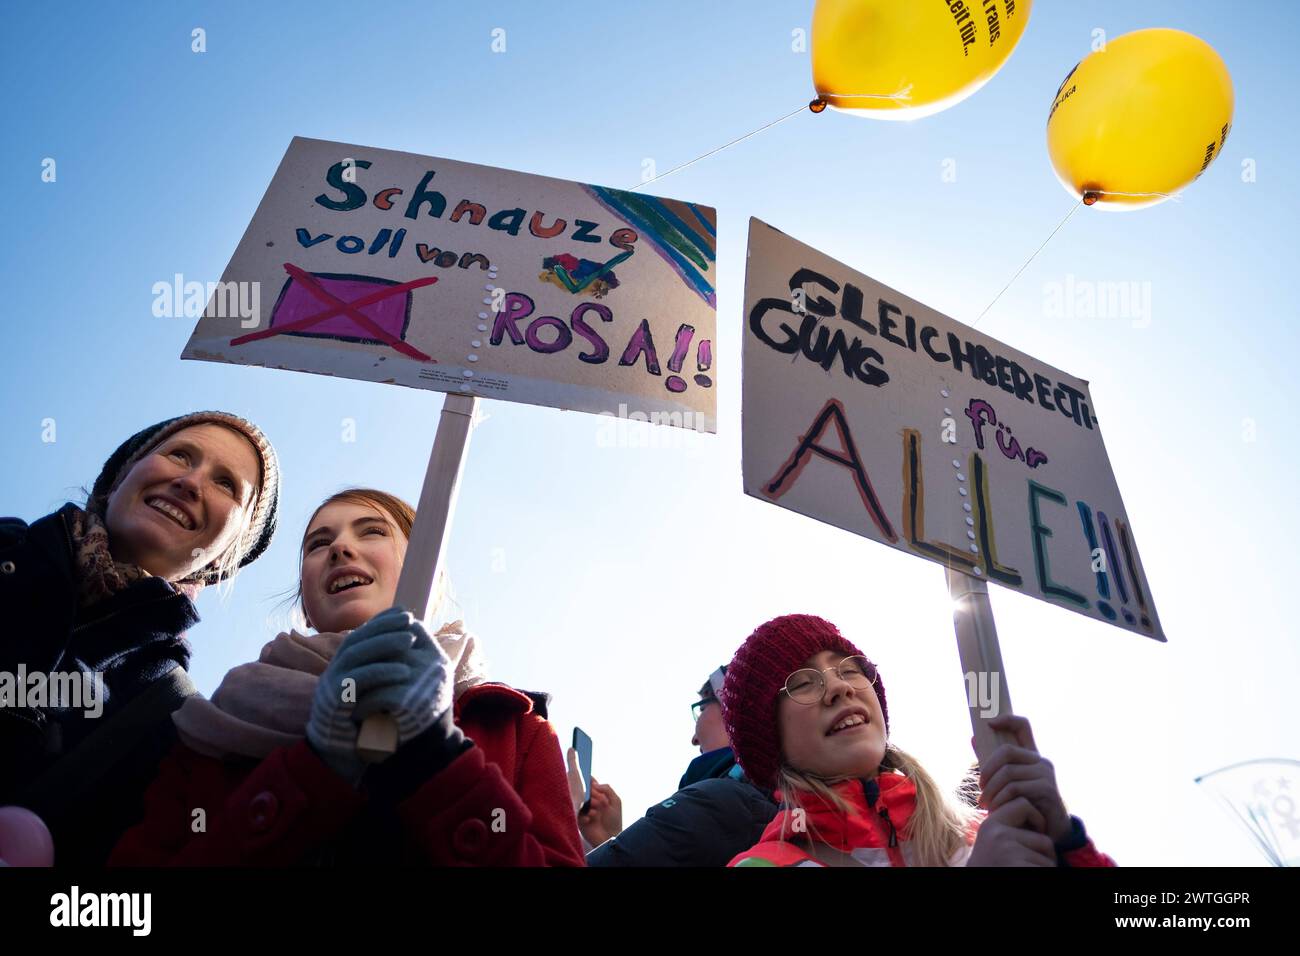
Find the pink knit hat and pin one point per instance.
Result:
(755, 677)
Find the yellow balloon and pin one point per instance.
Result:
(1136, 122)
(904, 59)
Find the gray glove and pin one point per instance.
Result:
(390, 665)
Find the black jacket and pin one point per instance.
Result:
(133, 640)
(705, 823)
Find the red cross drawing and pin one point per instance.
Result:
(352, 309)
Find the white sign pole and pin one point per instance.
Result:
(424, 551)
(981, 660)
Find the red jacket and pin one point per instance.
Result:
(503, 802)
(869, 835)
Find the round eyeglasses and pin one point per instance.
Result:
(807, 686)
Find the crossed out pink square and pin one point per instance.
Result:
(345, 307)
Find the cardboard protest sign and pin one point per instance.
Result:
(865, 409)
(412, 270)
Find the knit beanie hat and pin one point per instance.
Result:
(261, 525)
(755, 678)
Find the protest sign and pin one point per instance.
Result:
(868, 410)
(393, 267)
(480, 282)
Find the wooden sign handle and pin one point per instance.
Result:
(981, 659)
(424, 551)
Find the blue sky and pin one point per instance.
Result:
(618, 575)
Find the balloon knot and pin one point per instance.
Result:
(1091, 195)
(817, 105)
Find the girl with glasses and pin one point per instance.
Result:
(807, 716)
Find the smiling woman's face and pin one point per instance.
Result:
(351, 559)
(183, 504)
(809, 739)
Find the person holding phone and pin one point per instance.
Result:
(598, 806)
(271, 759)
(715, 813)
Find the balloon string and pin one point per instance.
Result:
(1176, 197)
(1253, 830)
(1276, 845)
(904, 94)
(718, 149)
(1027, 261)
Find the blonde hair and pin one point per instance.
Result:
(938, 828)
(227, 566)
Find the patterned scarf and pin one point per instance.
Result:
(99, 575)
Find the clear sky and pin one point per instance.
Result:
(618, 575)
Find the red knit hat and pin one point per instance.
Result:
(755, 677)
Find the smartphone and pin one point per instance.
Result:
(582, 744)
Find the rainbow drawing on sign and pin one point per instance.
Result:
(683, 233)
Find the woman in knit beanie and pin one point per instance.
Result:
(159, 518)
(807, 716)
(97, 600)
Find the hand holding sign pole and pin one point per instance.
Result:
(425, 550)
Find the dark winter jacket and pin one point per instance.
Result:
(51, 756)
(715, 815)
(707, 766)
